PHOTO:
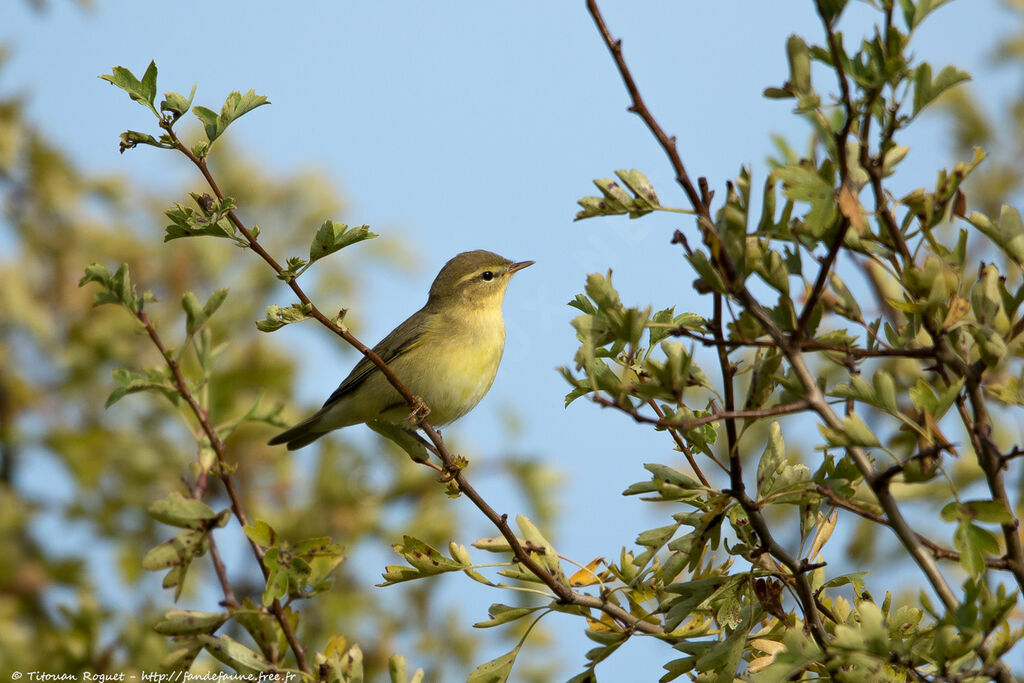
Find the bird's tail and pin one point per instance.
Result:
(302, 434)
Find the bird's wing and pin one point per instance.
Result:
(387, 350)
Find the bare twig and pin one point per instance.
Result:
(938, 551)
(717, 416)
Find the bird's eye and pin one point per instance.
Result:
(487, 275)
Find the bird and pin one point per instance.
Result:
(447, 353)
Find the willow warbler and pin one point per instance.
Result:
(447, 353)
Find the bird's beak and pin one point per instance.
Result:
(519, 266)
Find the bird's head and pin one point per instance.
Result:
(474, 278)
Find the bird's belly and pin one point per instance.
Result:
(460, 373)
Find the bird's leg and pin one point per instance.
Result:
(419, 411)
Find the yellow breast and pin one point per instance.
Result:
(464, 357)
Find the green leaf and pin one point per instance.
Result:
(772, 460)
(692, 594)
(709, 276)
(974, 544)
(143, 92)
(261, 533)
(187, 222)
(854, 432)
(497, 670)
(235, 106)
(540, 545)
(503, 614)
(425, 560)
(331, 237)
(196, 317)
(131, 138)
(803, 183)
(655, 538)
(118, 287)
(234, 654)
(184, 622)
(660, 326)
(915, 11)
(885, 391)
(176, 554)
(799, 64)
(277, 584)
(176, 104)
(645, 199)
(724, 657)
(188, 513)
(990, 511)
(277, 317)
(134, 381)
(616, 200)
(846, 302)
(927, 90)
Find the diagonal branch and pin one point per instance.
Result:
(938, 551)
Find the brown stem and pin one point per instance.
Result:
(222, 470)
(808, 345)
(222, 575)
(938, 551)
(717, 416)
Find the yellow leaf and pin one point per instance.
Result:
(587, 576)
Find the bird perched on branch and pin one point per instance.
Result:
(447, 353)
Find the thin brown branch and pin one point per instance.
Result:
(717, 416)
(222, 471)
(812, 345)
(667, 142)
(938, 551)
(197, 490)
(222, 574)
(839, 140)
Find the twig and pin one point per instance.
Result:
(229, 485)
(197, 490)
(938, 551)
(718, 416)
(812, 345)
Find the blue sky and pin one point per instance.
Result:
(455, 126)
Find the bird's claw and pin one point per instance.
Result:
(419, 412)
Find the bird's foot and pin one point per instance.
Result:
(419, 412)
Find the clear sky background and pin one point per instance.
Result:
(455, 126)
